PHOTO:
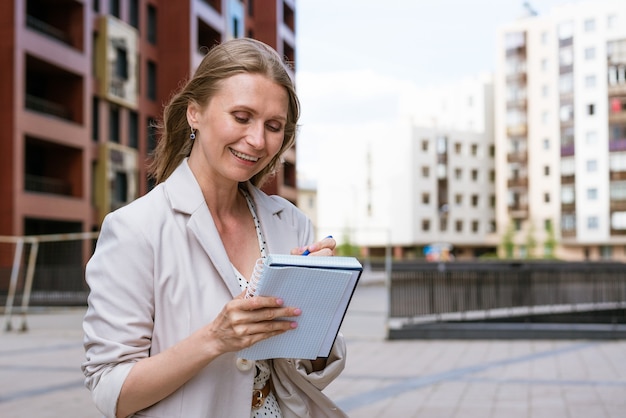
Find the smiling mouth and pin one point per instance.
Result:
(245, 157)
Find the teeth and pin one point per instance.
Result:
(244, 156)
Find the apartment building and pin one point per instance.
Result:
(83, 83)
(453, 168)
(560, 106)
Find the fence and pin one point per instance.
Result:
(431, 293)
(43, 270)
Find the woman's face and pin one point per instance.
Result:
(240, 130)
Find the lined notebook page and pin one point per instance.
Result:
(323, 294)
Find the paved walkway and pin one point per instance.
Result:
(40, 372)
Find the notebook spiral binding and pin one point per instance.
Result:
(256, 276)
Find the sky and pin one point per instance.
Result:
(358, 59)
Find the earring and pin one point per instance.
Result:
(192, 135)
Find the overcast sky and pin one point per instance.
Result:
(356, 58)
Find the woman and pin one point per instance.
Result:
(166, 312)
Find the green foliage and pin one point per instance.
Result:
(346, 248)
(507, 241)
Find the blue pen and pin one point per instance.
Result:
(307, 252)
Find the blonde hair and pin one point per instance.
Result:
(236, 56)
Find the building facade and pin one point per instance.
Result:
(560, 94)
(83, 86)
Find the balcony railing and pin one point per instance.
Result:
(50, 185)
(48, 107)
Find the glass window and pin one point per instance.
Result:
(567, 194)
(566, 83)
(566, 56)
(592, 166)
(133, 13)
(568, 222)
(617, 161)
(114, 8)
(590, 53)
(592, 222)
(425, 198)
(590, 25)
(152, 24)
(425, 171)
(618, 190)
(151, 81)
(114, 124)
(133, 129)
(592, 193)
(590, 81)
(618, 220)
(546, 143)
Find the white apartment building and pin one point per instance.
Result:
(428, 178)
(560, 107)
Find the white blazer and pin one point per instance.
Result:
(160, 272)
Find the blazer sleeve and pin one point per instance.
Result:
(120, 316)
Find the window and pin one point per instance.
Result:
(474, 149)
(492, 176)
(546, 170)
(592, 194)
(590, 109)
(458, 173)
(475, 226)
(474, 174)
(568, 222)
(133, 129)
(545, 117)
(567, 194)
(592, 222)
(544, 64)
(114, 8)
(458, 226)
(114, 124)
(618, 190)
(545, 90)
(133, 13)
(120, 188)
(250, 7)
(458, 199)
(611, 21)
(425, 198)
(492, 201)
(566, 112)
(546, 144)
(424, 145)
(590, 53)
(592, 166)
(517, 224)
(425, 225)
(425, 171)
(544, 37)
(443, 224)
(565, 30)
(606, 252)
(590, 81)
(152, 24)
(151, 81)
(566, 56)
(95, 119)
(457, 147)
(121, 63)
(546, 197)
(566, 83)
(492, 150)
(474, 200)
(590, 25)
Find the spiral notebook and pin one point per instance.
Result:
(321, 286)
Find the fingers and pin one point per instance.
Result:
(244, 322)
(325, 247)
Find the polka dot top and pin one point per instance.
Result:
(270, 408)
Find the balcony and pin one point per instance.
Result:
(517, 130)
(568, 179)
(618, 205)
(52, 168)
(53, 91)
(517, 157)
(567, 150)
(61, 20)
(518, 182)
(617, 145)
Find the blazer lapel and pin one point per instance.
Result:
(186, 197)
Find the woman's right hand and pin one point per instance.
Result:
(246, 321)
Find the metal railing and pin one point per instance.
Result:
(440, 291)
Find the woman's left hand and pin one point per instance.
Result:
(324, 247)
